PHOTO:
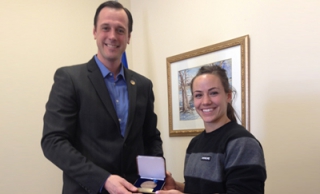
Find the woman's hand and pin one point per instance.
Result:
(170, 183)
(172, 191)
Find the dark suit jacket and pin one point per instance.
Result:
(81, 133)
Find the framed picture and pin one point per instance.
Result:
(233, 56)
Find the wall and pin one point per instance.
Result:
(37, 37)
(284, 75)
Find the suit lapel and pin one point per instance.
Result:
(132, 97)
(98, 83)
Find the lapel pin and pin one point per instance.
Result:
(133, 82)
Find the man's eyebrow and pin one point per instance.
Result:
(104, 24)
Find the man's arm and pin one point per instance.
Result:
(59, 135)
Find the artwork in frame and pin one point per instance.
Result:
(233, 56)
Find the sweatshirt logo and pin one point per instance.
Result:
(205, 158)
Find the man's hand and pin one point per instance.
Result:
(118, 185)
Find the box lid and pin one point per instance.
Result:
(151, 167)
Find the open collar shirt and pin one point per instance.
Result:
(118, 91)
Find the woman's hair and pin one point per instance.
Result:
(221, 73)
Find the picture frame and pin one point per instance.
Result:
(233, 55)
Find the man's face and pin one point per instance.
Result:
(111, 34)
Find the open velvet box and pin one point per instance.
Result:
(152, 171)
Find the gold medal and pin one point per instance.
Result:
(148, 184)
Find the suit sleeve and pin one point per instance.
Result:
(152, 139)
(59, 132)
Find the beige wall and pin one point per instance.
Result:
(37, 36)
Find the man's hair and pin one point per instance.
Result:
(114, 5)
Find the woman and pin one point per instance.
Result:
(225, 157)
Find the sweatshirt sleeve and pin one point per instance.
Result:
(245, 166)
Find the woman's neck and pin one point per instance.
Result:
(209, 127)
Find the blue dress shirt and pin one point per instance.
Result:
(118, 93)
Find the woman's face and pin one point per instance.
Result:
(210, 99)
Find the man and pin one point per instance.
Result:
(100, 115)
